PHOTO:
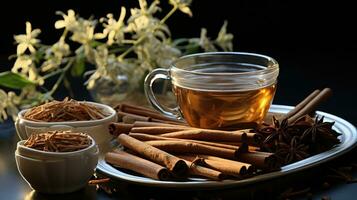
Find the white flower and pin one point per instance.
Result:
(224, 39)
(183, 6)
(101, 56)
(54, 56)
(12, 101)
(142, 20)
(113, 29)
(137, 22)
(84, 32)
(108, 67)
(60, 49)
(205, 42)
(28, 40)
(3, 100)
(24, 64)
(69, 21)
(101, 60)
(8, 104)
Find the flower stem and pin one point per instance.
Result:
(52, 74)
(60, 79)
(142, 38)
(64, 35)
(125, 53)
(168, 15)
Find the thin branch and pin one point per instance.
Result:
(60, 79)
(142, 38)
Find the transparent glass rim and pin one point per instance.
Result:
(271, 68)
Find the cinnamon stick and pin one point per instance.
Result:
(173, 163)
(138, 110)
(158, 129)
(153, 124)
(145, 112)
(228, 167)
(147, 137)
(255, 139)
(208, 135)
(252, 138)
(311, 105)
(182, 147)
(302, 104)
(134, 163)
(197, 170)
(173, 122)
(116, 129)
(261, 160)
(253, 148)
(124, 106)
(131, 118)
(98, 181)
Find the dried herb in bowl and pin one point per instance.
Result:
(66, 110)
(58, 141)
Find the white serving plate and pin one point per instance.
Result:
(348, 141)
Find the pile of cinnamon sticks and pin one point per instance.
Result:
(165, 149)
(308, 105)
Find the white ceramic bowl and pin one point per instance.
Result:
(98, 129)
(56, 172)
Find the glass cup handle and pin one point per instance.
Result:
(159, 73)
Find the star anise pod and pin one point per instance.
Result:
(278, 132)
(322, 130)
(304, 121)
(291, 152)
(299, 126)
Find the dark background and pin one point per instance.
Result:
(315, 44)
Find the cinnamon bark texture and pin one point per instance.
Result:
(197, 170)
(116, 129)
(174, 164)
(147, 137)
(130, 113)
(159, 129)
(153, 124)
(131, 118)
(228, 167)
(138, 110)
(254, 139)
(209, 135)
(308, 105)
(302, 104)
(182, 147)
(262, 160)
(134, 163)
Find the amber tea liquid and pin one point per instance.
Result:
(223, 109)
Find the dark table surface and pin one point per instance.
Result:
(12, 186)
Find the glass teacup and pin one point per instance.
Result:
(218, 90)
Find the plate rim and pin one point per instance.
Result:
(349, 142)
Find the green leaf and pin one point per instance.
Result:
(192, 48)
(13, 80)
(78, 66)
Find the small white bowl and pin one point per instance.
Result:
(98, 129)
(56, 172)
